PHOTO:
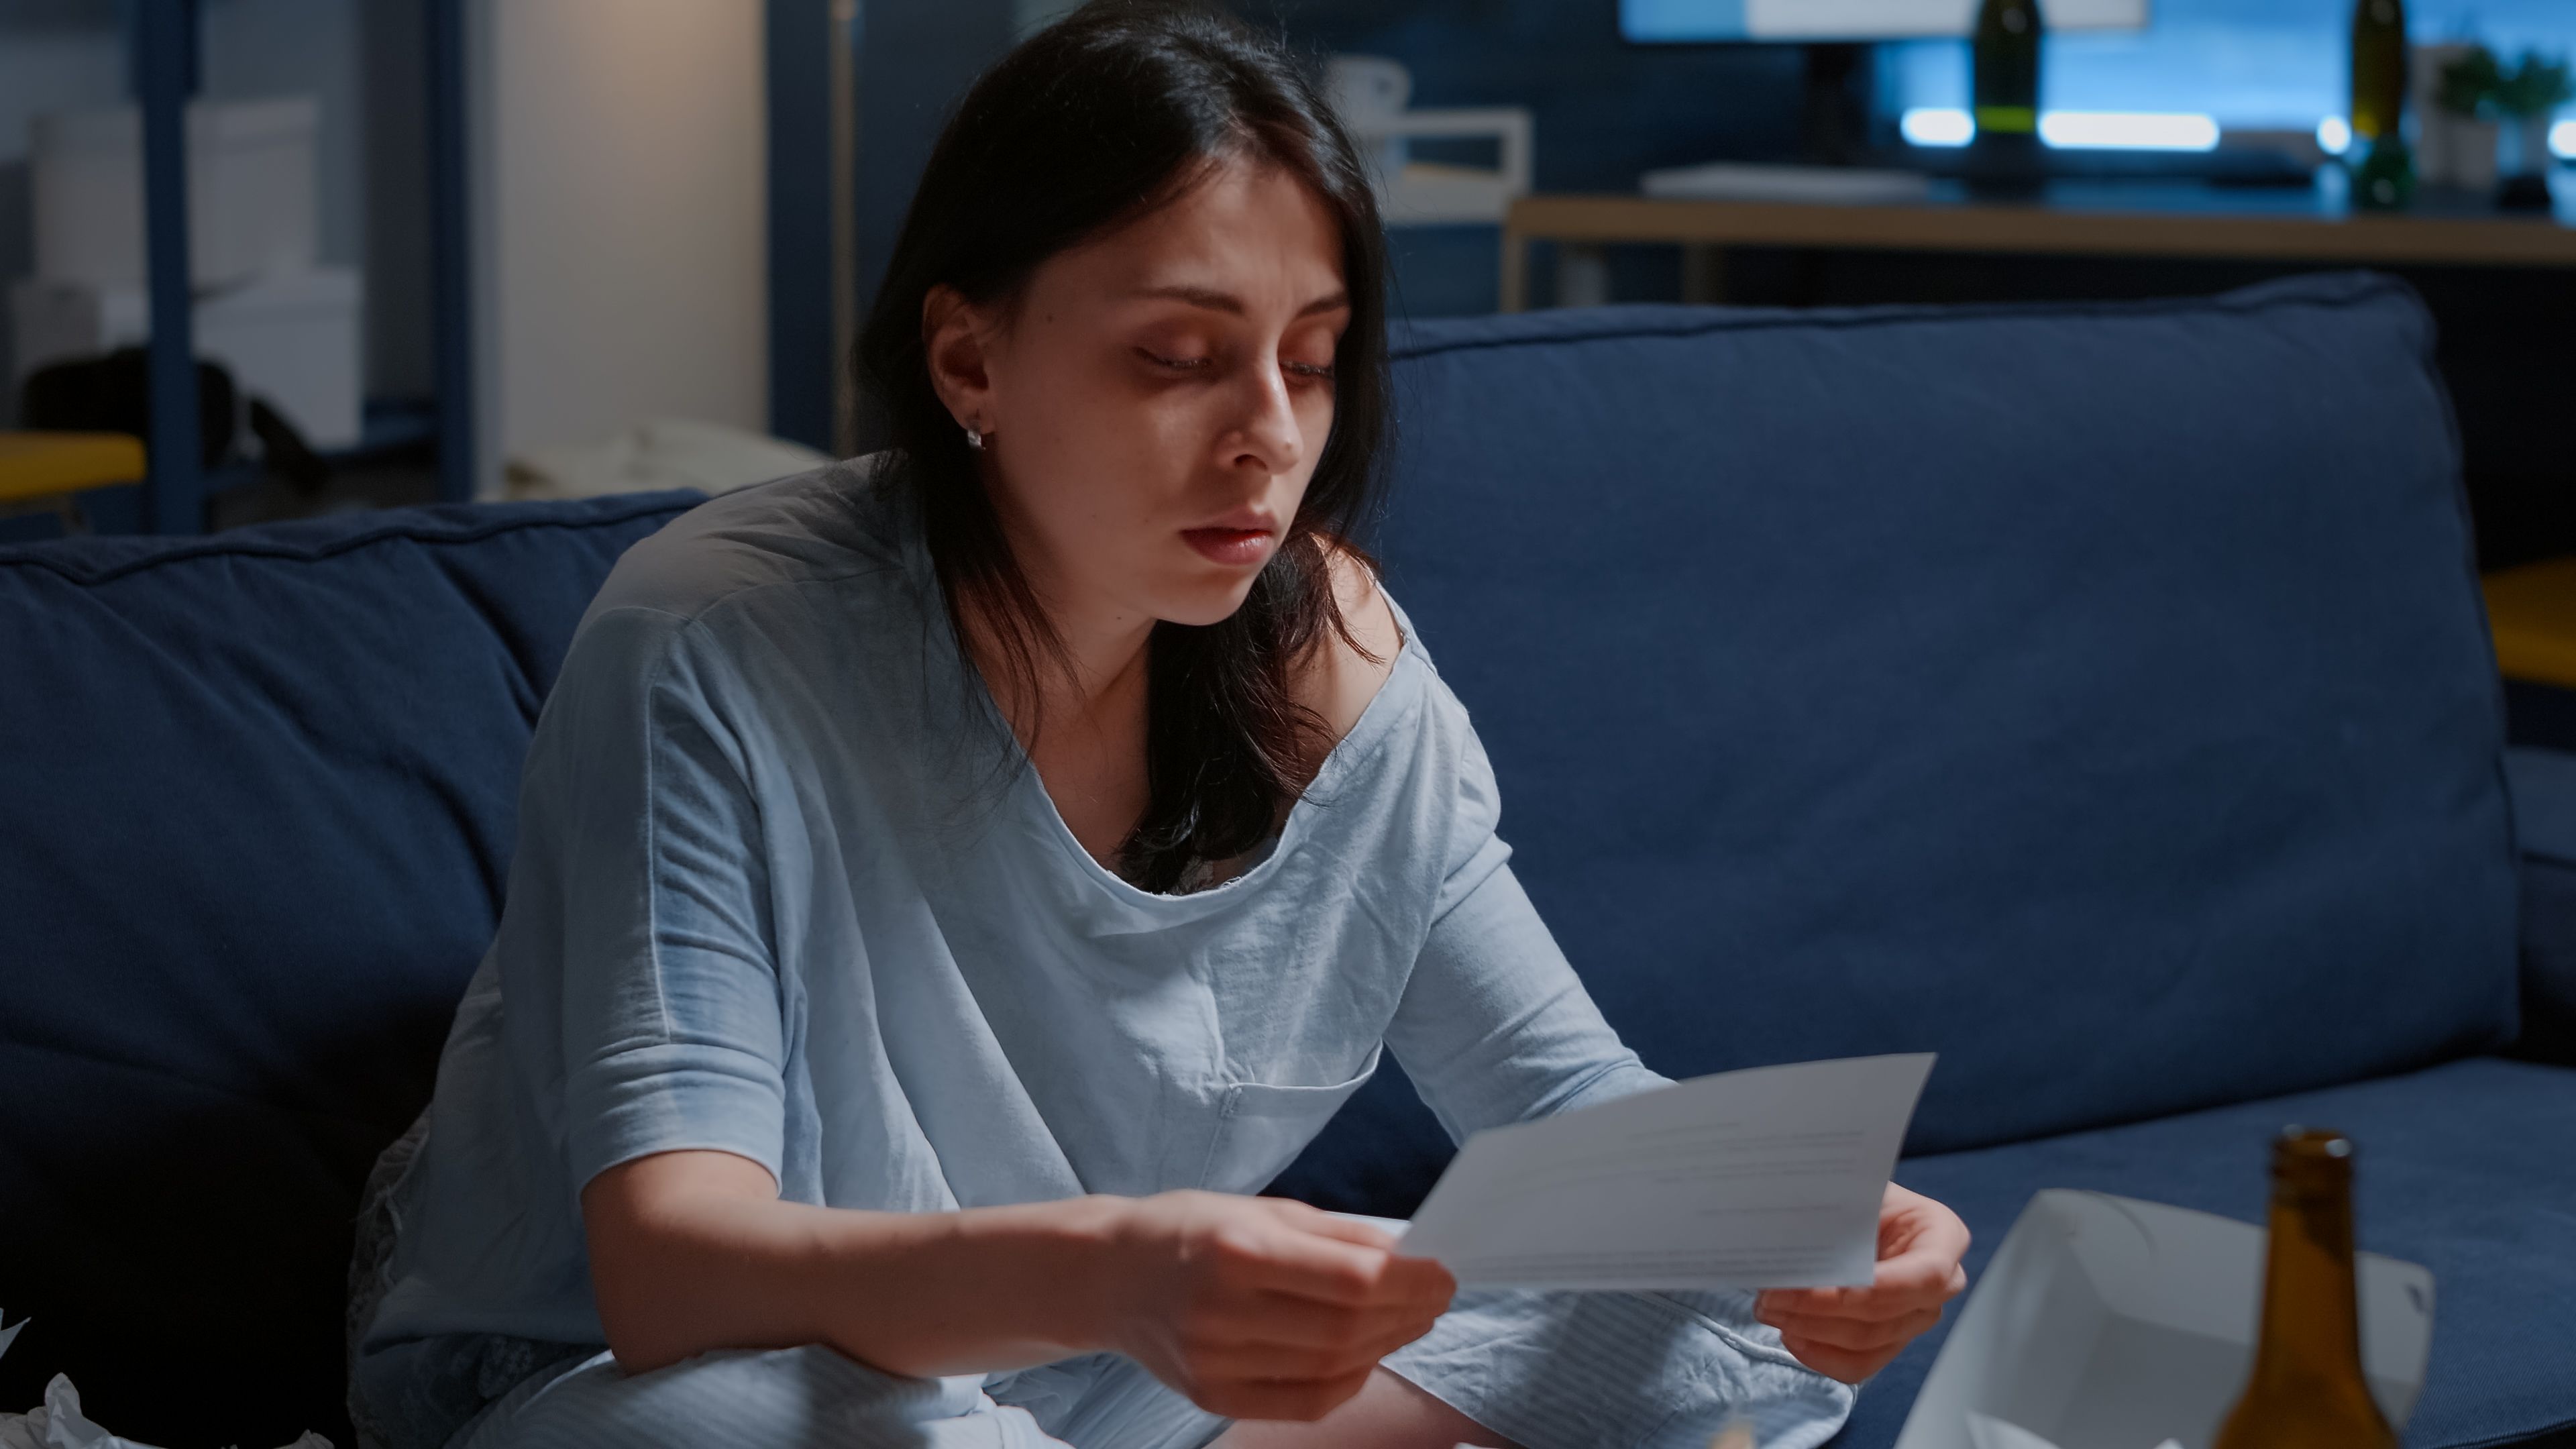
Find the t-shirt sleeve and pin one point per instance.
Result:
(1494, 1025)
(650, 954)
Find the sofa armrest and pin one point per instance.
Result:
(2544, 809)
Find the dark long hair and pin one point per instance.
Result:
(1104, 117)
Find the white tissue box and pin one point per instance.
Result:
(2109, 1323)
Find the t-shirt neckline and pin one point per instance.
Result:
(1377, 719)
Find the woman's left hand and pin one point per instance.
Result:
(1851, 1333)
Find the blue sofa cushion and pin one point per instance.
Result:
(2098, 695)
(2544, 812)
(259, 792)
(2464, 1168)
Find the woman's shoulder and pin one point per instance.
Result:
(803, 574)
(1356, 661)
(785, 609)
(830, 524)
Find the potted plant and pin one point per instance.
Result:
(2526, 97)
(2458, 128)
(2500, 114)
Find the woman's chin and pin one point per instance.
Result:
(1204, 605)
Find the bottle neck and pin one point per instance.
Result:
(2311, 1320)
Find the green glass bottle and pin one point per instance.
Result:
(2307, 1390)
(2384, 177)
(2378, 68)
(2006, 69)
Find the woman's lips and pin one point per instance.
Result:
(1233, 546)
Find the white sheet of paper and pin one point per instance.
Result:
(1770, 1177)
(1998, 1434)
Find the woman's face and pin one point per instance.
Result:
(1157, 409)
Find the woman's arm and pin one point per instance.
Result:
(1495, 1027)
(692, 1250)
(1252, 1307)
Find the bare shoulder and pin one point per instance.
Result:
(1339, 683)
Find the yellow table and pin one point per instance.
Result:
(39, 472)
(2533, 612)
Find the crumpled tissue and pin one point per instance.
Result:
(59, 1424)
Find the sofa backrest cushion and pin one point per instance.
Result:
(2098, 696)
(257, 793)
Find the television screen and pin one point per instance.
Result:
(1791, 20)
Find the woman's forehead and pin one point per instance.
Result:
(1260, 238)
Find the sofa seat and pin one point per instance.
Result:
(2467, 1168)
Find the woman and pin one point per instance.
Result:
(948, 881)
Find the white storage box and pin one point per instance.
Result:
(250, 192)
(296, 340)
(2109, 1323)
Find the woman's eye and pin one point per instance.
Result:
(1200, 364)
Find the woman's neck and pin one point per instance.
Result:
(1095, 680)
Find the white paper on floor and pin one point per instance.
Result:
(1993, 1433)
(59, 1424)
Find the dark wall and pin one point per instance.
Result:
(916, 59)
(393, 88)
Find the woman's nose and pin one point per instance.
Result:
(1269, 428)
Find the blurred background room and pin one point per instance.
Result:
(465, 269)
(448, 249)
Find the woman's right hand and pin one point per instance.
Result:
(1261, 1308)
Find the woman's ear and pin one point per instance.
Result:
(955, 341)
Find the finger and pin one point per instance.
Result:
(1860, 1335)
(1419, 1280)
(1302, 1402)
(1855, 1333)
(1277, 1257)
(1303, 1361)
(1333, 1270)
(1278, 1320)
(1928, 1273)
(1806, 1300)
(1908, 1221)
(1315, 1220)
(1918, 1278)
(1835, 1363)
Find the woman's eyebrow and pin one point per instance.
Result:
(1215, 300)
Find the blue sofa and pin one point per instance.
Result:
(2098, 696)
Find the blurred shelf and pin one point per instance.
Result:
(2108, 218)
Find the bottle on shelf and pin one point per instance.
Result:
(2307, 1390)
(2004, 86)
(2384, 176)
